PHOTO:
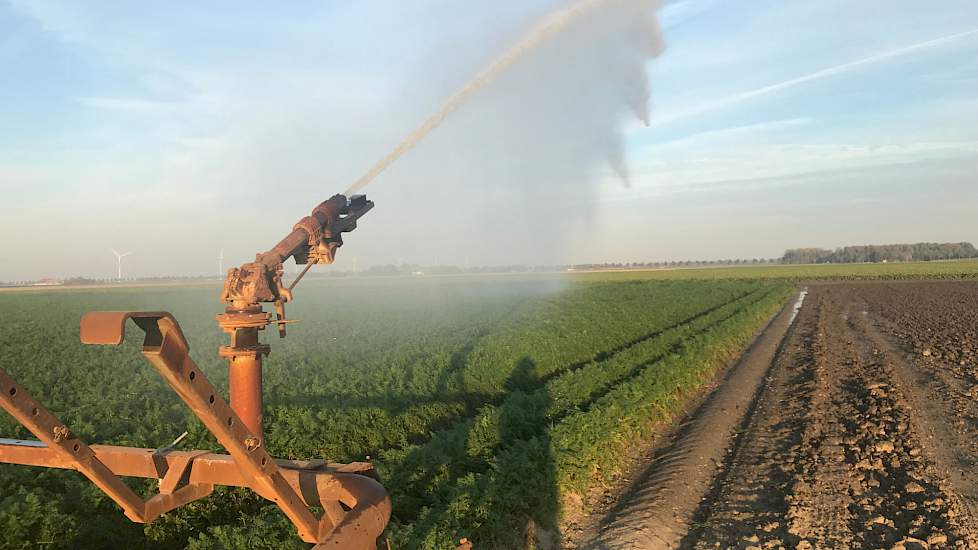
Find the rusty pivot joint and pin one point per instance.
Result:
(314, 240)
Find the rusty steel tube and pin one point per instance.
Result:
(213, 469)
(285, 249)
(245, 381)
(324, 215)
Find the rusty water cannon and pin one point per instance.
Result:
(313, 240)
(354, 506)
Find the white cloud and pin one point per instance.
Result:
(663, 119)
(133, 105)
(730, 165)
(676, 13)
(737, 133)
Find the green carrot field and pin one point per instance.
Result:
(954, 269)
(484, 402)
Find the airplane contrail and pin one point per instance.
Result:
(817, 75)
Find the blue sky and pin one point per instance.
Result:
(775, 124)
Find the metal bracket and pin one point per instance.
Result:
(167, 349)
(77, 455)
(108, 328)
(188, 476)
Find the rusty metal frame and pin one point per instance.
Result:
(357, 508)
(66, 449)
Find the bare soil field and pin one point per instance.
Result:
(859, 430)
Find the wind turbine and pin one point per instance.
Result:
(119, 257)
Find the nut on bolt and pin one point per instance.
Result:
(61, 433)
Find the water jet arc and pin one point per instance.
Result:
(552, 25)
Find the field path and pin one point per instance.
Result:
(863, 434)
(667, 496)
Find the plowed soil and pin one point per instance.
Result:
(859, 431)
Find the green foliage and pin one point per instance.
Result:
(483, 402)
(920, 252)
(966, 269)
(32, 517)
(265, 529)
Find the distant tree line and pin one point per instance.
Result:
(673, 264)
(921, 252)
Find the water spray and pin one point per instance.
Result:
(551, 26)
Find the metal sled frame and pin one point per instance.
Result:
(357, 508)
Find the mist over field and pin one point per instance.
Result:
(541, 133)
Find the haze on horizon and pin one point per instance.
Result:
(178, 131)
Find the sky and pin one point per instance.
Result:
(176, 130)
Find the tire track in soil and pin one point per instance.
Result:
(856, 440)
(859, 477)
(748, 503)
(656, 510)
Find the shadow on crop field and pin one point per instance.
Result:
(476, 465)
(528, 482)
(489, 474)
(449, 403)
(491, 479)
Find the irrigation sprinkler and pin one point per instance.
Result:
(356, 506)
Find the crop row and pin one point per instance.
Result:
(510, 467)
(562, 334)
(535, 399)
